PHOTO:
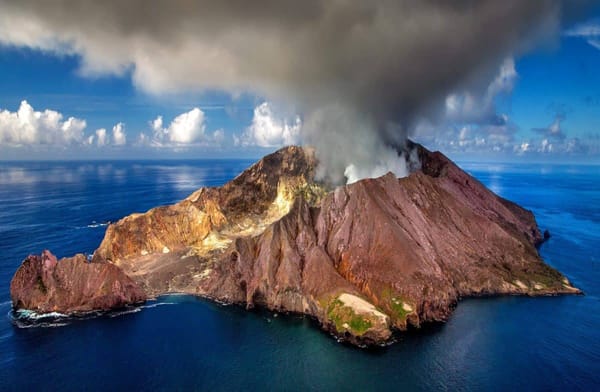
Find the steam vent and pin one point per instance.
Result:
(365, 259)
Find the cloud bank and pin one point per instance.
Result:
(362, 74)
(501, 139)
(29, 127)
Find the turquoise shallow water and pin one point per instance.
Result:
(183, 343)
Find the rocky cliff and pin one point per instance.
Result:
(364, 259)
(71, 285)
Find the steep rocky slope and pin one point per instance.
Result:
(44, 284)
(364, 259)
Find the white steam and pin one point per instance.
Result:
(361, 73)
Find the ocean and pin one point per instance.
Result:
(185, 343)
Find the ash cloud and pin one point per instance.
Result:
(362, 74)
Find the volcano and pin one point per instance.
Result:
(366, 260)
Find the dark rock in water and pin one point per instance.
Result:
(71, 285)
(546, 235)
(364, 259)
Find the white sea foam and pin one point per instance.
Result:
(40, 325)
(123, 312)
(29, 319)
(31, 315)
(24, 318)
(97, 225)
(138, 309)
(157, 304)
(93, 225)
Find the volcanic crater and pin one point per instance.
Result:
(366, 259)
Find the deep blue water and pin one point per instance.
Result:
(185, 343)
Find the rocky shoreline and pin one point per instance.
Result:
(365, 260)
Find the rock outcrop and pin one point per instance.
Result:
(364, 259)
(71, 285)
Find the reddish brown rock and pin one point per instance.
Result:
(364, 259)
(71, 285)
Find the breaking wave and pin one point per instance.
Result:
(24, 318)
(31, 315)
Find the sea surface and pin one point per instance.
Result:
(185, 343)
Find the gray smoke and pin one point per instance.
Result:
(362, 73)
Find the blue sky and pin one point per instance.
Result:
(564, 79)
(554, 96)
(49, 81)
(52, 81)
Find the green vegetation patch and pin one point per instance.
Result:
(398, 304)
(540, 274)
(345, 319)
(398, 307)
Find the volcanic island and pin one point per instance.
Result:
(366, 260)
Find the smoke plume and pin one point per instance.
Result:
(361, 73)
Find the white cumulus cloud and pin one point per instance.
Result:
(187, 129)
(118, 134)
(29, 127)
(267, 130)
(101, 137)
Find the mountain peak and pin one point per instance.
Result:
(364, 259)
